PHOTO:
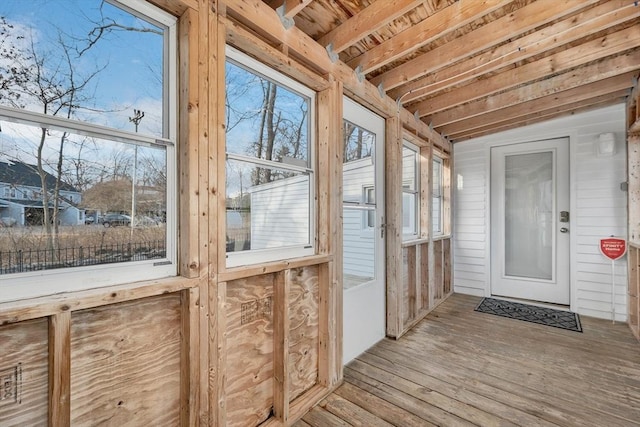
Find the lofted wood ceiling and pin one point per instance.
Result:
(475, 67)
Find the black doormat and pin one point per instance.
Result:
(529, 313)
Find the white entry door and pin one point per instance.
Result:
(530, 221)
(363, 230)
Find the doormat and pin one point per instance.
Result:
(529, 313)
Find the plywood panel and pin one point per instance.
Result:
(249, 338)
(125, 367)
(303, 334)
(437, 269)
(424, 275)
(634, 291)
(24, 373)
(446, 255)
(405, 284)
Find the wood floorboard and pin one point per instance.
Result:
(356, 415)
(551, 367)
(384, 410)
(459, 367)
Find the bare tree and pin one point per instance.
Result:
(58, 91)
(14, 72)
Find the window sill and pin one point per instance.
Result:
(236, 273)
(32, 308)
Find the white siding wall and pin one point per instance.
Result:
(598, 208)
(280, 213)
(358, 240)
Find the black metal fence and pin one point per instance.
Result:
(47, 259)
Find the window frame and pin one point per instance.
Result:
(18, 286)
(367, 192)
(257, 256)
(415, 193)
(444, 194)
(441, 196)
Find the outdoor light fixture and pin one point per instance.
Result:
(606, 145)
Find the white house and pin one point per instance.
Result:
(21, 196)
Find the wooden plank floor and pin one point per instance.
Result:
(461, 368)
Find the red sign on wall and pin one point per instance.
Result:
(613, 248)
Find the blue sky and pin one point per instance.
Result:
(129, 63)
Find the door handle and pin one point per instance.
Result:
(564, 230)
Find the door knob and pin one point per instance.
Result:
(564, 230)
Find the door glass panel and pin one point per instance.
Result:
(359, 208)
(529, 197)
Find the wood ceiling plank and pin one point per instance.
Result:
(492, 34)
(610, 67)
(435, 26)
(593, 20)
(571, 96)
(612, 44)
(367, 21)
(600, 102)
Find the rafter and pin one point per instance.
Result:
(367, 21)
(565, 60)
(571, 96)
(591, 21)
(510, 26)
(601, 70)
(435, 26)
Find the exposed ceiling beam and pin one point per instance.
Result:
(542, 116)
(512, 25)
(601, 70)
(591, 21)
(612, 44)
(433, 27)
(579, 94)
(367, 21)
(290, 8)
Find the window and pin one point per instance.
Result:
(436, 197)
(269, 169)
(410, 191)
(369, 199)
(88, 122)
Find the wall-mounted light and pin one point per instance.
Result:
(606, 144)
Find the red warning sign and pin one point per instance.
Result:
(613, 248)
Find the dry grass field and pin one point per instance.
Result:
(25, 248)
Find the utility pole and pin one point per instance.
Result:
(137, 117)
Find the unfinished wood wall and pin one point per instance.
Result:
(213, 346)
(633, 255)
(418, 270)
(633, 172)
(102, 357)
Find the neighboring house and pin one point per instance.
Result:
(21, 196)
(277, 216)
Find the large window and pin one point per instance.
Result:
(269, 167)
(87, 144)
(437, 193)
(410, 191)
